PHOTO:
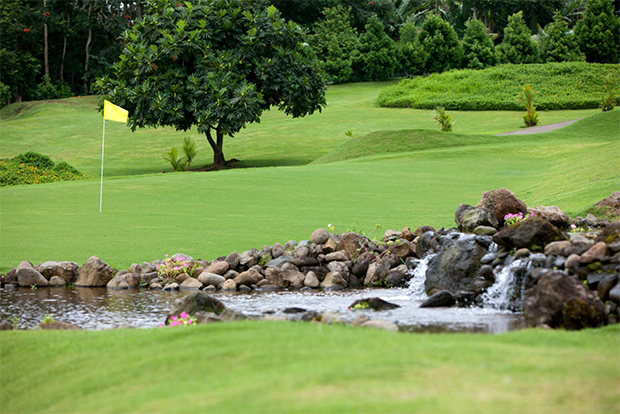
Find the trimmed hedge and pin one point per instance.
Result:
(565, 85)
(33, 168)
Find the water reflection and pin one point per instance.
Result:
(100, 308)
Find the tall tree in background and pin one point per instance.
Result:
(598, 33)
(216, 66)
(478, 48)
(560, 44)
(517, 45)
(411, 53)
(441, 44)
(376, 52)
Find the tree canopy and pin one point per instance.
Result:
(517, 46)
(216, 65)
(598, 32)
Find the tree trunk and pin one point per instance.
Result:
(45, 50)
(218, 153)
(90, 36)
(64, 51)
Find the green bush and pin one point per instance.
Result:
(560, 45)
(441, 44)
(598, 32)
(5, 94)
(411, 55)
(478, 49)
(33, 168)
(47, 90)
(376, 52)
(566, 85)
(517, 45)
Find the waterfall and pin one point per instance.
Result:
(499, 295)
(416, 284)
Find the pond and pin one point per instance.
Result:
(101, 308)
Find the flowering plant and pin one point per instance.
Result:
(172, 267)
(182, 319)
(511, 219)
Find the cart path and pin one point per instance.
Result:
(542, 128)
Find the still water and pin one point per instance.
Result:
(100, 308)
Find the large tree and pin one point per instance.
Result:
(478, 48)
(517, 46)
(441, 44)
(216, 65)
(598, 32)
(560, 44)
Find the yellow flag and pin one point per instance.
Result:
(112, 112)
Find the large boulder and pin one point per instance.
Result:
(611, 204)
(66, 270)
(319, 236)
(377, 304)
(553, 214)
(94, 273)
(211, 279)
(562, 301)
(501, 202)
(249, 277)
(610, 233)
(27, 276)
(194, 303)
(124, 281)
(285, 277)
(533, 233)
(455, 266)
(333, 281)
(468, 218)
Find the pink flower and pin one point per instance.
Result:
(183, 315)
(160, 324)
(185, 265)
(572, 226)
(166, 255)
(177, 268)
(189, 322)
(173, 318)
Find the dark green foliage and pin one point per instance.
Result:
(5, 94)
(598, 32)
(439, 41)
(611, 93)
(35, 159)
(47, 90)
(376, 52)
(517, 45)
(216, 66)
(560, 45)
(566, 85)
(478, 49)
(334, 41)
(33, 168)
(410, 52)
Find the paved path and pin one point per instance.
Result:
(540, 129)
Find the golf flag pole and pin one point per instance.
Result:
(114, 113)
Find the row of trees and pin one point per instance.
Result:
(434, 45)
(56, 48)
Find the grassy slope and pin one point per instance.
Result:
(70, 131)
(296, 367)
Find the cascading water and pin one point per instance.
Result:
(416, 284)
(500, 294)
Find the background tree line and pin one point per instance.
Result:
(56, 48)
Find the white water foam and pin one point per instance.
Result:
(498, 295)
(416, 284)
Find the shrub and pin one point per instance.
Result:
(35, 159)
(517, 45)
(560, 45)
(598, 32)
(47, 90)
(5, 94)
(439, 41)
(527, 99)
(33, 168)
(178, 162)
(566, 85)
(190, 151)
(478, 49)
(444, 119)
(411, 54)
(376, 52)
(610, 97)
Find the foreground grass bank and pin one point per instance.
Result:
(300, 367)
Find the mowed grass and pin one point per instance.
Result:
(71, 130)
(302, 367)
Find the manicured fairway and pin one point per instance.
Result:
(301, 367)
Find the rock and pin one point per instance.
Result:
(572, 262)
(562, 301)
(197, 272)
(229, 315)
(319, 236)
(249, 258)
(331, 318)
(401, 248)
(377, 304)
(558, 248)
(376, 274)
(311, 280)
(248, 278)
(305, 261)
(333, 281)
(155, 286)
(118, 282)
(407, 234)
(485, 230)
(533, 233)
(231, 274)
(207, 279)
(329, 246)
(229, 285)
(190, 284)
(391, 235)
(552, 214)
(27, 276)
(6, 326)
(146, 278)
(66, 270)
(58, 325)
(290, 244)
(171, 286)
(285, 277)
(57, 281)
(280, 261)
(359, 320)
(614, 294)
(181, 277)
(439, 300)
(522, 253)
(423, 229)
(94, 273)
(340, 267)
(277, 250)
(340, 256)
(218, 268)
(380, 324)
(501, 202)
(396, 277)
(360, 265)
(10, 277)
(610, 233)
(468, 218)
(611, 204)
(424, 244)
(594, 253)
(605, 286)
(233, 260)
(194, 303)
(455, 267)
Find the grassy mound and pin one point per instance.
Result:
(303, 367)
(33, 168)
(566, 85)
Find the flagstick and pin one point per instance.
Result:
(102, 148)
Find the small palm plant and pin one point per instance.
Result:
(527, 99)
(178, 162)
(444, 119)
(189, 148)
(609, 100)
